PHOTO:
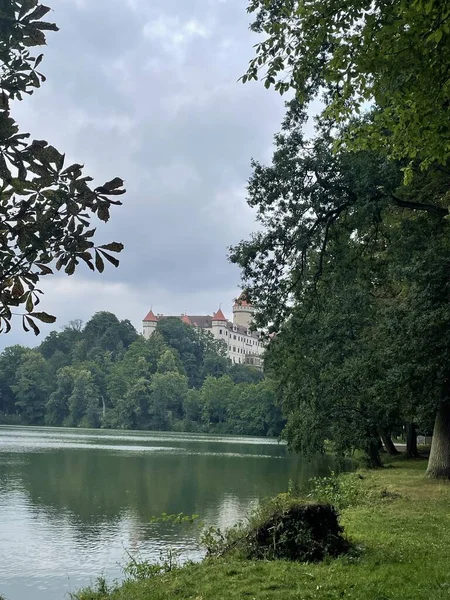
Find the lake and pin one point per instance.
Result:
(74, 502)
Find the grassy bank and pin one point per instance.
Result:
(401, 533)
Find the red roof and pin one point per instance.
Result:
(219, 316)
(186, 320)
(242, 300)
(151, 317)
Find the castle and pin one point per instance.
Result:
(243, 345)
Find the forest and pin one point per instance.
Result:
(103, 374)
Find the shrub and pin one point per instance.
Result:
(347, 489)
(341, 491)
(282, 529)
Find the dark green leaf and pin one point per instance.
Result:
(114, 184)
(44, 317)
(70, 269)
(113, 246)
(24, 325)
(27, 5)
(33, 325)
(46, 26)
(34, 37)
(29, 305)
(114, 261)
(44, 269)
(100, 265)
(17, 289)
(103, 213)
(39, 12)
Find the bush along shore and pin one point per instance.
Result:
(390, 543)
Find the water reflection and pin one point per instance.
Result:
(72, 501)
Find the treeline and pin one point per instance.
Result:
(104, 374)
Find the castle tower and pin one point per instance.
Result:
(219, 325)
(242, 311)
(149, 324)
(219, 319)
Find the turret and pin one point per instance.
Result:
(242, 311)
(149, 324)
(219, 319)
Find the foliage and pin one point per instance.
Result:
(309, 196)
(57, 407)
(31, 387)
(345, 490)
(392, 55)
(195, 348)
(356, 289)
(46, 207)
(103, 374)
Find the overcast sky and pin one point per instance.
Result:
(147, 90)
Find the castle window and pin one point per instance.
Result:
(234, 348)
(220, 331)
(234, 337)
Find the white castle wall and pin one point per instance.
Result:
(243, 346)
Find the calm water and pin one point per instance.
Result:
(74, 502)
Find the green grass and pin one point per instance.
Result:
(402, 552)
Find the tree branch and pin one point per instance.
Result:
(438, 211)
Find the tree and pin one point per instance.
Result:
(31, 387)
(10, 360)
(215, 365)
(216, 395)
(104, 332)
(392, 54)
(132, 408)
(192, 405)
(240, 373)
(168, 391)
(62, 341)
(191, 345)
(46, 206)
(257, 411)
(169, 362)
(328, 370)
(57, 406)
(92, 416)
(300, 199)
(335, 229)
(84, 398)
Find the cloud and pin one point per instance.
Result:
(149, 91)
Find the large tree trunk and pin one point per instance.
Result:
(439, 461)
(389, 444)
(411, 441)
(373, 458)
